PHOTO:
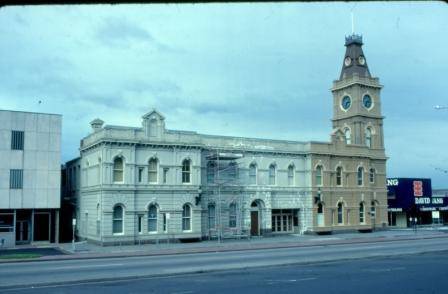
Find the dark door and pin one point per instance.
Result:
(254, 223)
(42, 227)
(22, 231)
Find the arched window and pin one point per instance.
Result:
(152, 171)
(118, 170)
(232, 215)
(348, 136)
(319, 175)
(211, 216)
(361, 213)
(253, 174)
(186, 217)
(291, 173)
(368, 137)
(340, 213)
(186, 171)
(373, 210)
(117, 220)
(152, 218)
(210, 173)
(339, 176)
(272, 174)
(360, 176)
(372, 175)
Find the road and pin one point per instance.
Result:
(23, 275)
(412, 274)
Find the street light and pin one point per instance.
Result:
(438, 107)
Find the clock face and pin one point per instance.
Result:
(367, 101)
(346, 102)
(361, 60)
(347, 61)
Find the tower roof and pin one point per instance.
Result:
(354, 59)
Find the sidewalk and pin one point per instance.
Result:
(84, 250)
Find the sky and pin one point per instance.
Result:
(240, 69)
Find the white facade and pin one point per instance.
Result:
(141, 184)
(30, 152)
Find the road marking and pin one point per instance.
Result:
(86, 266)
(380, 270)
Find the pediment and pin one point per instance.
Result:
(153, 114)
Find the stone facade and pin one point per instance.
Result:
(149, 183)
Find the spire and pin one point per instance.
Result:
(354, 59)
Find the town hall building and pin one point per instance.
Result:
(148, 183)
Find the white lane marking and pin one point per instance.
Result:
(86, 266)
(272, 282)
(379, 270)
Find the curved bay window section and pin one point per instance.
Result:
(152, 218)
(319, 175)
(348, 136)
(360, 176)
(372, 176)
(117, 220)
(368, 135)
(186, 171)
(339, 176)
(253, 174)
(232, 215)
(272, 174)
(373, 211)
(362, 219)
(211, 173)
(340, 213)
(291, 172)
(211, 216)
(152, 171)
(186, 217)
(118, 170)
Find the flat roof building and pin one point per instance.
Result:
(30, 172)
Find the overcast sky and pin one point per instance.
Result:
(253, 70)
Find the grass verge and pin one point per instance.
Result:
(20, 256)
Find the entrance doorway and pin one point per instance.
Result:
(255, 216)
(282, 221)
(254, 227)
(22, 231)
(42, 225)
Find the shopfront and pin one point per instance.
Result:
(410, 198)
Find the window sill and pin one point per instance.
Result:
(118, 234)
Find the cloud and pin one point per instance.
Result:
(119, 32)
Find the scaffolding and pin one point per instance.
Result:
(225, 162)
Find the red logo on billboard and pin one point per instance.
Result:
(418, 188)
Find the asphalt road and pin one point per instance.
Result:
(411, 274)
(21, 276)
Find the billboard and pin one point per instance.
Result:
(408, 194)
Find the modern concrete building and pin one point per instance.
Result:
(30, 153)
(140, 184)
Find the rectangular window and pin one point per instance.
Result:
(165, 175)
(211, 216)
(17, 138)
(16, 179)
(140, 174)
(164, 221)
(140, 220)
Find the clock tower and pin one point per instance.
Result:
(356, 99)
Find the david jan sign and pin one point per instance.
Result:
(427, 200)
